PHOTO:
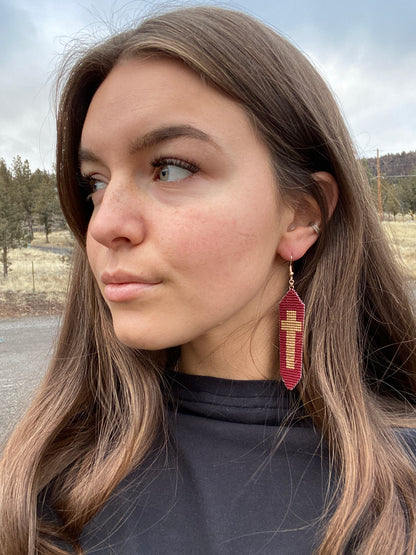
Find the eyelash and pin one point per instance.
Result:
(86, 182)
(86, 185)
(186, 165)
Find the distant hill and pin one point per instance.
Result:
(394, 164)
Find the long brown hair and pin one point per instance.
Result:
(100, 407)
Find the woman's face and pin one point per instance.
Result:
(184, 235)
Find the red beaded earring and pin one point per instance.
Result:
(291, 325)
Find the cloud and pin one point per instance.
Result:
(376, 93)
(367, 53)
(33, 38)
(24, 91)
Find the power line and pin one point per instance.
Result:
(388, 176)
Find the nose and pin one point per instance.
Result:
(118, 218)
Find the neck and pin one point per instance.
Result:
(248, 353)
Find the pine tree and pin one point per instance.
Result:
(391, 199)
(407, 192)
(12, 234)
(24, 187)
(47, 204)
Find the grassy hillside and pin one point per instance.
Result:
(393, 164)
(403, 238)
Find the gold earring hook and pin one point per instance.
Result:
(291, 274)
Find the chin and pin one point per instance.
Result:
(130, 337)
(146, 344)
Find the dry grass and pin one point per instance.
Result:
(34, 270)
(19, 295)
(403, 238)
(56, 239)
(37, 279)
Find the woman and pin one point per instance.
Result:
(198, 156)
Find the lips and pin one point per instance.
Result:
(120, 277)
(121, 286)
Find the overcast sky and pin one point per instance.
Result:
(366, 50)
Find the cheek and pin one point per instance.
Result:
(90, 249)
(223, 241)
(90, 244)
(93, 249)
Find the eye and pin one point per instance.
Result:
(91, 184)
(168, 170)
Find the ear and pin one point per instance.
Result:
(301, 232)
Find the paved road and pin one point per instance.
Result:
(25, 348)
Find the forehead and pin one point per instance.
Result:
(142, 91)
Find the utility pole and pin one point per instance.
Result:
(380, 207)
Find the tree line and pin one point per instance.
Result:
(27, 200)
(397, 188)
(402, 163)
(398, 194)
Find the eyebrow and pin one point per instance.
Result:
(162, 134)
(154, 137)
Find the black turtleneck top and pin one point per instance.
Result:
(244, 473)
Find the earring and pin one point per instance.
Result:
(291, 326)
(316, 228)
